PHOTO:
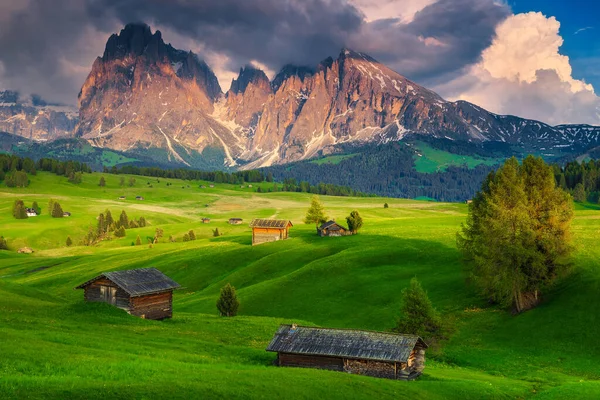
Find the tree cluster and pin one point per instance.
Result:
(19, 211)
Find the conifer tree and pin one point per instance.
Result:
(122, 181)
(192, 235)
(108, 219)
(102, 182)
(121, 232)
(316, 212)
(142, 222)
(57, 211)
(417, 315)
(138, 241)
(19, 211)
(69, 241)
(123, 219)
(228, 303)
(36, 207)
(216, 232)
(101, 224)
(186, 237)
(51, 206)
(517, 237)
(386, 205)
(579, 194)
(3, 244)
(354, 221)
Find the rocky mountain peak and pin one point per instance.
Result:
(247, 75)
(135, 40)
(288, 71)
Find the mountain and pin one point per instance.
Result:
(146, 98)
(34, 119)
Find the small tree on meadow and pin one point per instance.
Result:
(102, 182)
(132, 181)
(354, 221)
(57, 211)
(216, 232)
(171, 239)
(158, 234)
(228, 302)
(579, 194)
(386, 205)
(121, 232)
(192, 235)
(3, 244)
(186, 237)
(101, 224)
(19, 211)
(316, 212)
(122, 181)
(36, 207)
(142, 222)
(138, 241)
(69, 242)
(123, 219)
(51, 206)
(109, 221)
(417, 315)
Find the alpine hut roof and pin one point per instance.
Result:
(138, 282)
(378, 346)
(332, 225)
(270, 223)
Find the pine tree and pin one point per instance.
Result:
(579, 194)
(354, 221)
(57, 211)
(316, 212)
(417, 315)
(517, 237)
(192, 235)
(69, 241)
(123, 219)
(108, 219)
(132, 181)
(36, 207)
(19, 211)
(385, 205)
(102, 182)
(228, 303)
(122, 181)
(51, 206)
(216, 232)
(121, 232)
(3, 244)
(138, 241)
(186, 237)
(101, 224)
(171, 239)
(142, 222)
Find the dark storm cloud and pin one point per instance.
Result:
(48, 46)
(439, 42)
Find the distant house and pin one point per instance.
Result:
(66, 214)
(25, 250)
(332, 228)
(202, 187)
(378, 354)
(269, 230)
(212, 186)
(145, 292)
(139, 198)
(31, 212)
(249, 186)
(121, 197)
(206, 220)
(235, 221)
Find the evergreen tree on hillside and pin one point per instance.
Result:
(101, 224)
(36, 207)
(57, 211)
(102, 182)
(121, 232)
(122, 181)
(108, 220)
(228, 302)
(579, 194)
(192, 235)
(69, 242)
(216, 232)
(132, 181)
(19, 211)
(417, 315)
(354, 221)
(3, 243)
(316, 212)
(123, 219)
(186, 237)
(142, 222)
(517, 237)
(385, 205)
(51, 206)
(138, 241)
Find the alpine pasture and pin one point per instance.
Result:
(54, 345)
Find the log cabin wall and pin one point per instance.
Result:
(93, 293)
(266, 235)
(378, 369)
(153, 306)
(307, 361)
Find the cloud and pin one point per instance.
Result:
(587, 28)
(522, 73)
(404, 10)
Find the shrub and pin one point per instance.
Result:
(385, 205)
(171, 239)
(120, 232)
(228, 303)
(69, 241)
(192, 235)
(354, 221)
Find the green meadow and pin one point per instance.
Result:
(55, 346)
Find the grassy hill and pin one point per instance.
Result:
(56, 346)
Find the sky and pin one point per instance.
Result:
(537, 59)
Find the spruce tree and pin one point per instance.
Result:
(216, 232)
(69, 241)
(315, 213)
(579, 194)
(142, 222)
(101, 224)
(138, 241)
(228, 303)
(517, 237)
(385, 205)
(36, 207)
(108, 219)
(354, 221)
(102, 182)
(51, 206)
(417, 315)
(3, 244)
(122, 181)
(19, 211)
(57, 211)
(123, 219)
(192, 235)
(121, 232)
(186, 237)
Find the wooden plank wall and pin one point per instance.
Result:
(153, 306)
(306, 361)
(92, 293)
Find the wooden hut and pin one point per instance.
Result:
(332, 228)
(378, 354)
(235, 221)
(145, 292)
(206, 220)
(269, 230)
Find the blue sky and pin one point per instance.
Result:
(580, 29)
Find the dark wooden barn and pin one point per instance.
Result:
(378, 354)
(145, 292)
(269, 230)
(332, 228)
(235, 221)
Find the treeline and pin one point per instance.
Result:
(14, 170)
(326, 189)
(388, 170)
(581, 179)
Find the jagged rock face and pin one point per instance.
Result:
(39, 123)
(143, 93)
(247, 96)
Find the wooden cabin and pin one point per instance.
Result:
(66, 214)
(139, 197)
(332, 228)
(269, 230)
(206, 220)
(122, 197)
(235, 221)
(378, 354)
(31, 212)
(145, 292)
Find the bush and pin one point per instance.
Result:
(385, 205)
(192, 235)
(228, 303)
(121, 232)
(354, 221)
(171, 239)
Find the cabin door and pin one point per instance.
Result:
(108, 294)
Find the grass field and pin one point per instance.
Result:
(428, 159)
(56, 346)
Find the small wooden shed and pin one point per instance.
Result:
(378, 354)
(206, 220)
(332, 228)
(270, 230)
(144, 292)
(235, 221)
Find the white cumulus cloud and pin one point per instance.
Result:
(523, 73)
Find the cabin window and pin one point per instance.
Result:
(108, 294)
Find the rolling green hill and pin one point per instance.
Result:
(56, 346)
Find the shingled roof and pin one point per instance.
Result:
(138, 282)
(332, 225)
(270, 223)
(344, 343)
